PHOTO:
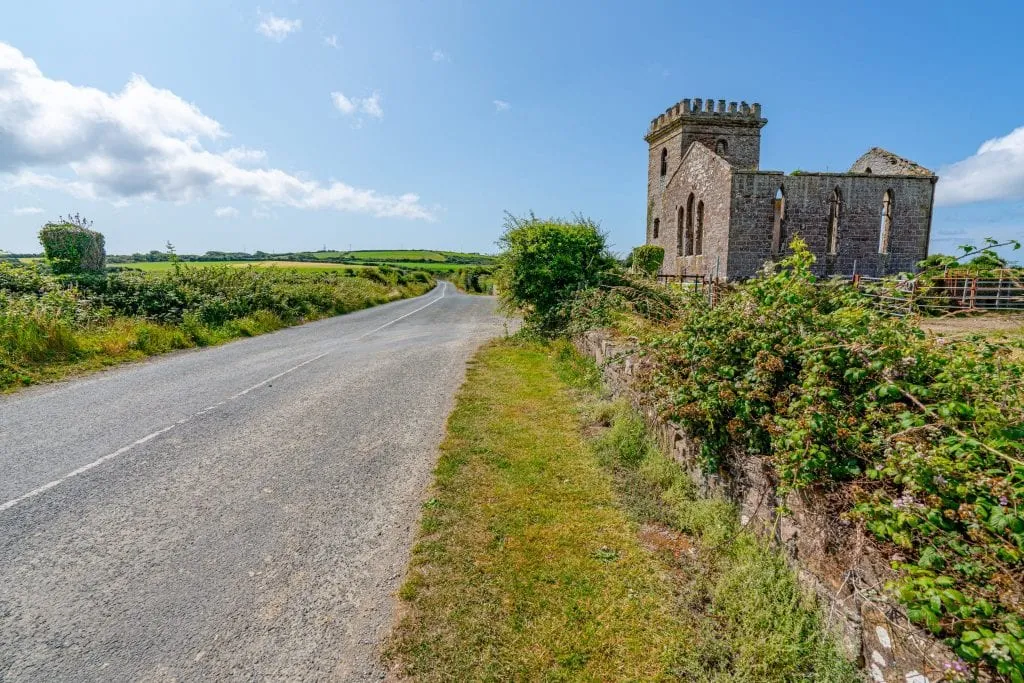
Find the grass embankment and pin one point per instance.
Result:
(536, 562)
(55, 326)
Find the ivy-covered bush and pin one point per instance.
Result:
(71, 247)
(647, 259)
(924, 435)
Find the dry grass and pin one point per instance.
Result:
(526, 567)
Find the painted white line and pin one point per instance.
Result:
(149, 437)
(444, 290)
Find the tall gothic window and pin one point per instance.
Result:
(835, 202)
(664, 161)
(689, 225)
(680, 218)
(698, 247)
(780, 215)
(885, 231)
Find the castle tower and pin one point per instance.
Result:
(732, 132)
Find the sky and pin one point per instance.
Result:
(293, 125)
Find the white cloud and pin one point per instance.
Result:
(225, 212)
(994, 172)
(259, 213)
(439, 56)
(501, 105)
(355, 105)
(146, 143)
(277, 28)
(27, 210)
(332, 41)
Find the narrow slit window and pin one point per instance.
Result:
(680, 218)
(689, 226)
(885, 231)
(780, 215)
(657, 227)
(835, 202)
(698, 247)
(721, 148)
(664, 161)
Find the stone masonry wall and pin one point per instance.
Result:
(807, 211)
(834, 560)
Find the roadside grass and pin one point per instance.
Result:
(37, 347)
(526, 569)
(559, 544)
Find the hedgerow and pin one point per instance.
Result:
(48, 320)
(71, 247)
(925, 436)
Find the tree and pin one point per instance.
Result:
(71, 247)
(647, 259)
(545, 263)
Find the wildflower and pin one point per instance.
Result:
(1003, 501)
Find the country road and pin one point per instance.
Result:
(240, 512)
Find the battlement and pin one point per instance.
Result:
(705, 111)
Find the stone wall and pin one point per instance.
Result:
(807, 213)
(835, 560)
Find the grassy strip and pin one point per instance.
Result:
(526, 569)
(38, 348)
(547, 555)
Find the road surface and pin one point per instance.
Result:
(237, 512)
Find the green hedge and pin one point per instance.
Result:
(72, 248)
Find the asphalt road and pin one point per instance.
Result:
(241, 512)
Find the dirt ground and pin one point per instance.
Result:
(985, 323)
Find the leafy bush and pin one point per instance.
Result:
(71, 247)
(925, 435)
(545, 263)
(647, 259)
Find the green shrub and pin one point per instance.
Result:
(925, 435)
(71, 247)
(545, 263)
(647, 259)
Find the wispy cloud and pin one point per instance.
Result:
(439, 56)
(26, 210)
(225, 212)
(277, 28)
(146, 143)
(351, 106)
(501, 105)
(994, 172)
(332, 41)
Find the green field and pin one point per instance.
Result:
(417, 255)
(163, 266)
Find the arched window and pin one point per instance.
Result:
(868, 170)
(721, 148)
(885, 232)
(835, 203)
(689, 225)
(680, 218)
(664, 160)
(657, 227)
(698, 247)
(780, 215)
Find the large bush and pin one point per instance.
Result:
(71, 247)
(545, 263)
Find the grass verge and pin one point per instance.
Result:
(549, 554)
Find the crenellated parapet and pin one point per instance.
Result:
(700, 110)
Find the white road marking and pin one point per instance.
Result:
(149, 437)
(444, 290)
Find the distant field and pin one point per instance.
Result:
(160, 266)
(417, 255)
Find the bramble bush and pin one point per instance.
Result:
(647, 259)
(925, 435)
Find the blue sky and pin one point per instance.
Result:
(291, 125)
